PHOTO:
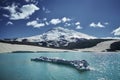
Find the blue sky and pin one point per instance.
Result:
(22, 18)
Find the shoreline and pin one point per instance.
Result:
(16, 48)
(16, 52)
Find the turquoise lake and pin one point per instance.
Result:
(18, 66)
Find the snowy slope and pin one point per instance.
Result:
(59, 33)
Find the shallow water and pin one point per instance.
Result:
(18, 66)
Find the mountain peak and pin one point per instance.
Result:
(59, 33)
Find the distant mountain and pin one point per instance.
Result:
(66, 39)
(58, 34)
(57, 37)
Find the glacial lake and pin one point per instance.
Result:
(18, 66)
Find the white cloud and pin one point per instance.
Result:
(5, 15)
(35, 24)
(98, 25)
(44, 19)
(12, 8)
(9, 23)
(55, 21)
(77, 23)
(65, 19)
(37, 19)
(46, 23)
(78, 27)
(67, 24)
(106, 23)
(32, 1)
(25, 11)
(116, 32)
(92, 24)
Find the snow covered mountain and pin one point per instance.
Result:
(62, 38)
(58, 37)
(59, 33)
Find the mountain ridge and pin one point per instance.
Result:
(62, 38)
(57, 34)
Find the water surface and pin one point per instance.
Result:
(18, 66)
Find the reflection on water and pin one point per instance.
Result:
(104, 66)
